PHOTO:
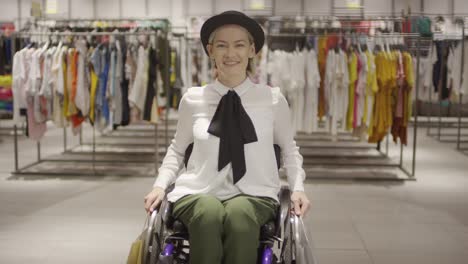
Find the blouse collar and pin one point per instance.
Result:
(240, 89)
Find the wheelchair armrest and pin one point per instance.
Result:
(166, 209)
(167, 216)
(283, 209)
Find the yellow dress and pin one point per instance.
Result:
(352, 68)
(371, 88)
(381, 114)
(92, 96)
(408, 64)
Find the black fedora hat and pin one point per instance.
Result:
(236, 18)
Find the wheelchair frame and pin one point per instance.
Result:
(278, 241)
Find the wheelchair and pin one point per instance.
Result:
(282, 240)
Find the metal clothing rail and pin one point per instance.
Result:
(416, 50)
(23, 170)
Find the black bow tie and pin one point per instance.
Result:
(234, 128)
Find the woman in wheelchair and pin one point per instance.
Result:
(228, 188)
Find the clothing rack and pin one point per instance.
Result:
(23, 170)
(415, 49)
(442, 126)
(463, 149)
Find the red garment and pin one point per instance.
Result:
(76, 118)
(406, 27)
(6, 94)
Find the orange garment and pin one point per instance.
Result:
(66, 84)
(403, 100)
(322, 60)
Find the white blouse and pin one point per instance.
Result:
(270, 115)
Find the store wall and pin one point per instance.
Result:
(159, 8)
(134, 8)
(317, 7)
(107, 9)
(82, 9)
(8, 10)
(461, 6)
(376, 7)
(178, 10)
(436, 6)
(414, 5)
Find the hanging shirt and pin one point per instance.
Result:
(66, 82)
(75, 115)
(110, 88)
(336, 88)
(297, 60)
(322, 58)
(58, 83)
(36, 130)
(312, 77)
(36, 75)
(464, 85)
(151, 90)
(454, 69)
(82, 84)
(353, 75)
(361, 89)
(18, 85)
(137, 95)
(93, 91)
(117, 100)
(269, 112)
(432, 59)
(371, 89)
(45, 92)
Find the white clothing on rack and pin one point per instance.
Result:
(297, 89)
(18, 86)
(336, 88)
(361, 88)
(312, 76)
(140, 85)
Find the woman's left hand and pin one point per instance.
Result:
(301, 203)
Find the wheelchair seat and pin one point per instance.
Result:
(267, 230)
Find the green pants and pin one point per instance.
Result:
(224, 231)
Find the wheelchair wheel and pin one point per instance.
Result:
(301, 244)
(152, 240)
(288, 244)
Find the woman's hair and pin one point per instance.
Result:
(251, 66)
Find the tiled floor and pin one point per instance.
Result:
(94, 220)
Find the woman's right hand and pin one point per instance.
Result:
(154, 198)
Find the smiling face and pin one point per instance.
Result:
(231, 47)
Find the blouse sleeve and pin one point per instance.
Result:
(284, 137)
(174, 158)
